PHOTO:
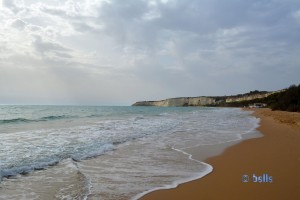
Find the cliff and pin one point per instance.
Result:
(183, 101)
(249, 96)
(207, 101)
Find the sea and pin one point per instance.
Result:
(109, 152)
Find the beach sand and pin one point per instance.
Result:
(276, 154)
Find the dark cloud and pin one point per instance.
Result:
(19, 24)
(45, 47)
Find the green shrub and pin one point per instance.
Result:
(287, 100)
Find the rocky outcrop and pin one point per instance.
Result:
(248, 97)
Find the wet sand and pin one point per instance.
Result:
(277, 154)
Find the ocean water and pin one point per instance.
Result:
(95, 152)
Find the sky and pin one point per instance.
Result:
(117, 52)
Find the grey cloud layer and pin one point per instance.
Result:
(99, 51)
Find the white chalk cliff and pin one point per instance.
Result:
(205, 101)
(183, 101)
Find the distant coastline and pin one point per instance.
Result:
(207, 100)
(285, 99)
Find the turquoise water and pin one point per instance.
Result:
(88, 137)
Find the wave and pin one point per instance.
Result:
(15, 120)
(95, 115)
(53, 117)
(26, 168)
(24, 120)
(138, 118)
(45, 163)
(94, 153)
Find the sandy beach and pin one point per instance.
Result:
(275, 158)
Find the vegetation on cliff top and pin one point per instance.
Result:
(287, 100)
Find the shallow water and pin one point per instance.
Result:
(78, 152)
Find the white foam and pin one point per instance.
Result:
(174, 184)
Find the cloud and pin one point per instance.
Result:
(14, 5)
(150, 49)
(51, 49)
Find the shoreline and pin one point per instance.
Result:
(179, 182)
(276, 154)
(207, 151)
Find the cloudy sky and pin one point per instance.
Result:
(116, 52)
